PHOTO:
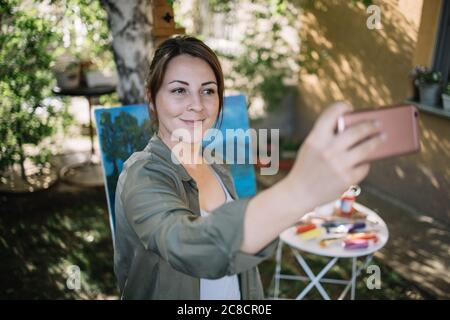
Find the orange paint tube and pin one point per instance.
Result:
(305, 227)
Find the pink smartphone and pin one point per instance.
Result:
(399, 123)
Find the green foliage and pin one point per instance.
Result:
(31, 36)
(89, 14)
(25, 79)
(309, 4)
(428, 76)
(447, 89)
(221, 5)
(267, 59)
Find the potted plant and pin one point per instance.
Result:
(414, 75)
(68, 77)
(446, 97)
(429, 83)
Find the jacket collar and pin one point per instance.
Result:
(158, 147)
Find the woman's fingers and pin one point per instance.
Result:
(356, 133)
(328, 163)
(326, 124)
(360, 153)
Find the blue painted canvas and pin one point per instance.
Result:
(235, 116)
(121, 131)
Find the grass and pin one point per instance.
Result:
(43, 234)
(393, 286)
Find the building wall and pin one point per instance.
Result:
(370, 68)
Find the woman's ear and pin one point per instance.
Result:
(151, 107)
(152, 111)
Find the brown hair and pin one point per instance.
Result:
(168, 50)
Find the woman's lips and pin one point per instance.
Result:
(192, 122)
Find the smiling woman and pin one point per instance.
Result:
(184, 99)
(170, 72)
(181, 231)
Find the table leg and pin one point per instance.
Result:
(315, 280)
(87, 173)
(278, 269)
(352, 295)
(91, 127)
(355, 275)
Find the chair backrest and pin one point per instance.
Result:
(126, 129)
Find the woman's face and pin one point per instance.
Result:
(187, 99)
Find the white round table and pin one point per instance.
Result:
(334, 251)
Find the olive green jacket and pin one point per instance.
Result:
(162, 244)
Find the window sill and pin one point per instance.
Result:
(437, 111)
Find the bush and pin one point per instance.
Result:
(25, 79)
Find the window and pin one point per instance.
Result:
(441, 57)
(441, 60)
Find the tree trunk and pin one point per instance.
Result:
(197, 17)
(131, 24)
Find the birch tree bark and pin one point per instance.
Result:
(131, 25)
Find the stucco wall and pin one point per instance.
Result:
(370, 68)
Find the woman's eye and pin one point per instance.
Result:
(208, 91)
(178, 90)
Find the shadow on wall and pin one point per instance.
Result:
(366, 67)
(421, 181)
(370, 68)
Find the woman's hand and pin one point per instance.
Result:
(329, 163)
(326, 165)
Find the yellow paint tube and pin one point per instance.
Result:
(312, 234)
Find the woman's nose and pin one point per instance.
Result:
(196, 103)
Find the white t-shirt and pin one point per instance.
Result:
(225, 288)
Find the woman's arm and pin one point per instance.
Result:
(327, 165)
(231, 239)
(156, 209)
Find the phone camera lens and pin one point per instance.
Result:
(416, 114)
